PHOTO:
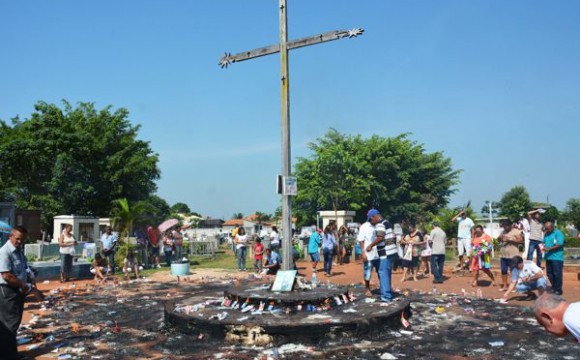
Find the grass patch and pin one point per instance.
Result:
(219, 261)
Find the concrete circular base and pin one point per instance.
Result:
(285, 316)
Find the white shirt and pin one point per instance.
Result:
(530, 269)
(242, 241)
(525, 224)
(367, 234)
(571, 319)
(464, 225)
(274, 238)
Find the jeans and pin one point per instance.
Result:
(258, 265)
(554, 271)
(11, 309)
(535, 246)
(525, 287)
(368, 268)
(241, 253)
(66, 264)
(168, 254)
(328, 254)
(437, 264)
(178, 252)
(111, 260)
(385, 272)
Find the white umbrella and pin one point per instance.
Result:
(167, 224)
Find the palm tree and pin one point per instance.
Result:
(125, 216)
(261, 217)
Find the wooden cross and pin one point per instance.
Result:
(283, 47)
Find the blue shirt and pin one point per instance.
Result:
(314, 243)
(328, 241)
(551, 239)
(12, 260)
(274, 258)
(108, 240)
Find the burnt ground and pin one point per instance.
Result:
(126, 321)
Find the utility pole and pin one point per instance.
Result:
(283, 47)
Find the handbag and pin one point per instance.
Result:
(408, 253)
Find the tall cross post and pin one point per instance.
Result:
(283, 47)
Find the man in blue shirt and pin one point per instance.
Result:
(313, 248)
(272, 262)
(109, 240)
(554, 255)
(13, 290)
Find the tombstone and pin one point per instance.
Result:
(341, 217)
(85, 228)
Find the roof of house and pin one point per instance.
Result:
(233, 222)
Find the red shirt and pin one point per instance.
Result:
(258, 251)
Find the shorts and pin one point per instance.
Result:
(464, 244)
(154, 251)
(506, 263)
(368, 268)
(314, 256)
(104, 270)
(540, 283)
(411, 264)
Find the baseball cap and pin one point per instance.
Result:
(371, 213)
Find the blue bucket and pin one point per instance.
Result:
(179, 269)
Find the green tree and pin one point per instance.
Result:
(180, 208)
(552, 214)
(514, 203)
(74, 160)
(238, 215)
(395, 175)
(572, 212)
(262, 217)
(125, 216)
(158, 209)
(494, 208)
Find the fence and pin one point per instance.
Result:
(202, 248)
(48, 251)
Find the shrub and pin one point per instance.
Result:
(572, 242)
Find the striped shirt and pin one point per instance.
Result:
(388, 245)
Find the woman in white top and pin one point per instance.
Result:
(274, 239)
(67, 244)
(241, 248)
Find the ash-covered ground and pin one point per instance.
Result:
(127, 322)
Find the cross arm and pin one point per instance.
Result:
(228, 58)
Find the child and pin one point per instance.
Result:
(258, 255)
(99, 268)
(130, 264)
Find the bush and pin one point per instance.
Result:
(572, 242)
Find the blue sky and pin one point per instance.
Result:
(495, 85)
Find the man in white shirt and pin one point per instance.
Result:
(464, 235)
(524, 225)
(366, 235)
(557, 316)
(526, 276)
(439, 240)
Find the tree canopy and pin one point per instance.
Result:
(74, 160)
(181, 208)
(572, 212)
(394, 174)
(515, 203)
